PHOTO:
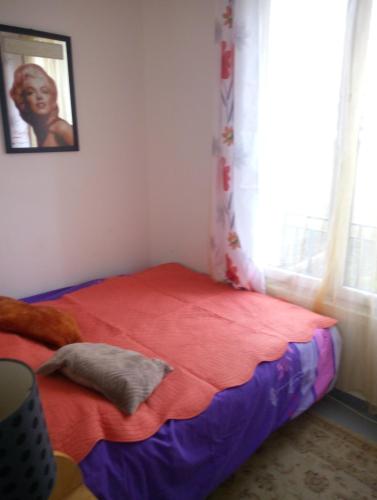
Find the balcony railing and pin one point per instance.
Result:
(303, 251)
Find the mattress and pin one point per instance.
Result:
(189, 458)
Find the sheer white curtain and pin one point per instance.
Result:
(305, 158)
(235, 180)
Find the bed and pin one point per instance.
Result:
(183, 453)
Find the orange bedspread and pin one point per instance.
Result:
(212, 335)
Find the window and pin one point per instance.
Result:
(361, 272)
(299, 139)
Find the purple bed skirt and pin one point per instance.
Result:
(188, 459)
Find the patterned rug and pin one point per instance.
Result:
(309, 458)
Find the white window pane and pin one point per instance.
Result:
(299, 128)
(361, 269)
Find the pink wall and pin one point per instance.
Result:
(67, 217)
(180, 77)
(138, 192)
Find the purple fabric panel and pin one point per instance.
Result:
(55, 294)
(326, 364)
(309, 362)
(319, 366)
(187, 459)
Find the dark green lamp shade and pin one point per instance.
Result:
(27, 466)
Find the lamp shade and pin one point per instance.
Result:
(27, 466)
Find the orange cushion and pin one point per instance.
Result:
(42, 323)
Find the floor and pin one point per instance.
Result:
(307, 459)
(349, 412)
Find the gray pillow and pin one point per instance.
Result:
(124, 377)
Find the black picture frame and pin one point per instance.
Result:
(37, 94)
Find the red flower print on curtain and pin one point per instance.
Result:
(227, 57)
(228, 16)
(227, 136)
(231, 271)
(229, 260)
(225, 173)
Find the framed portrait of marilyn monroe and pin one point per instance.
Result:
(36, 91)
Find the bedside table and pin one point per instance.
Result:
(69, 483)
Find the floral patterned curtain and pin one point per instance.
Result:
(235, 189)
